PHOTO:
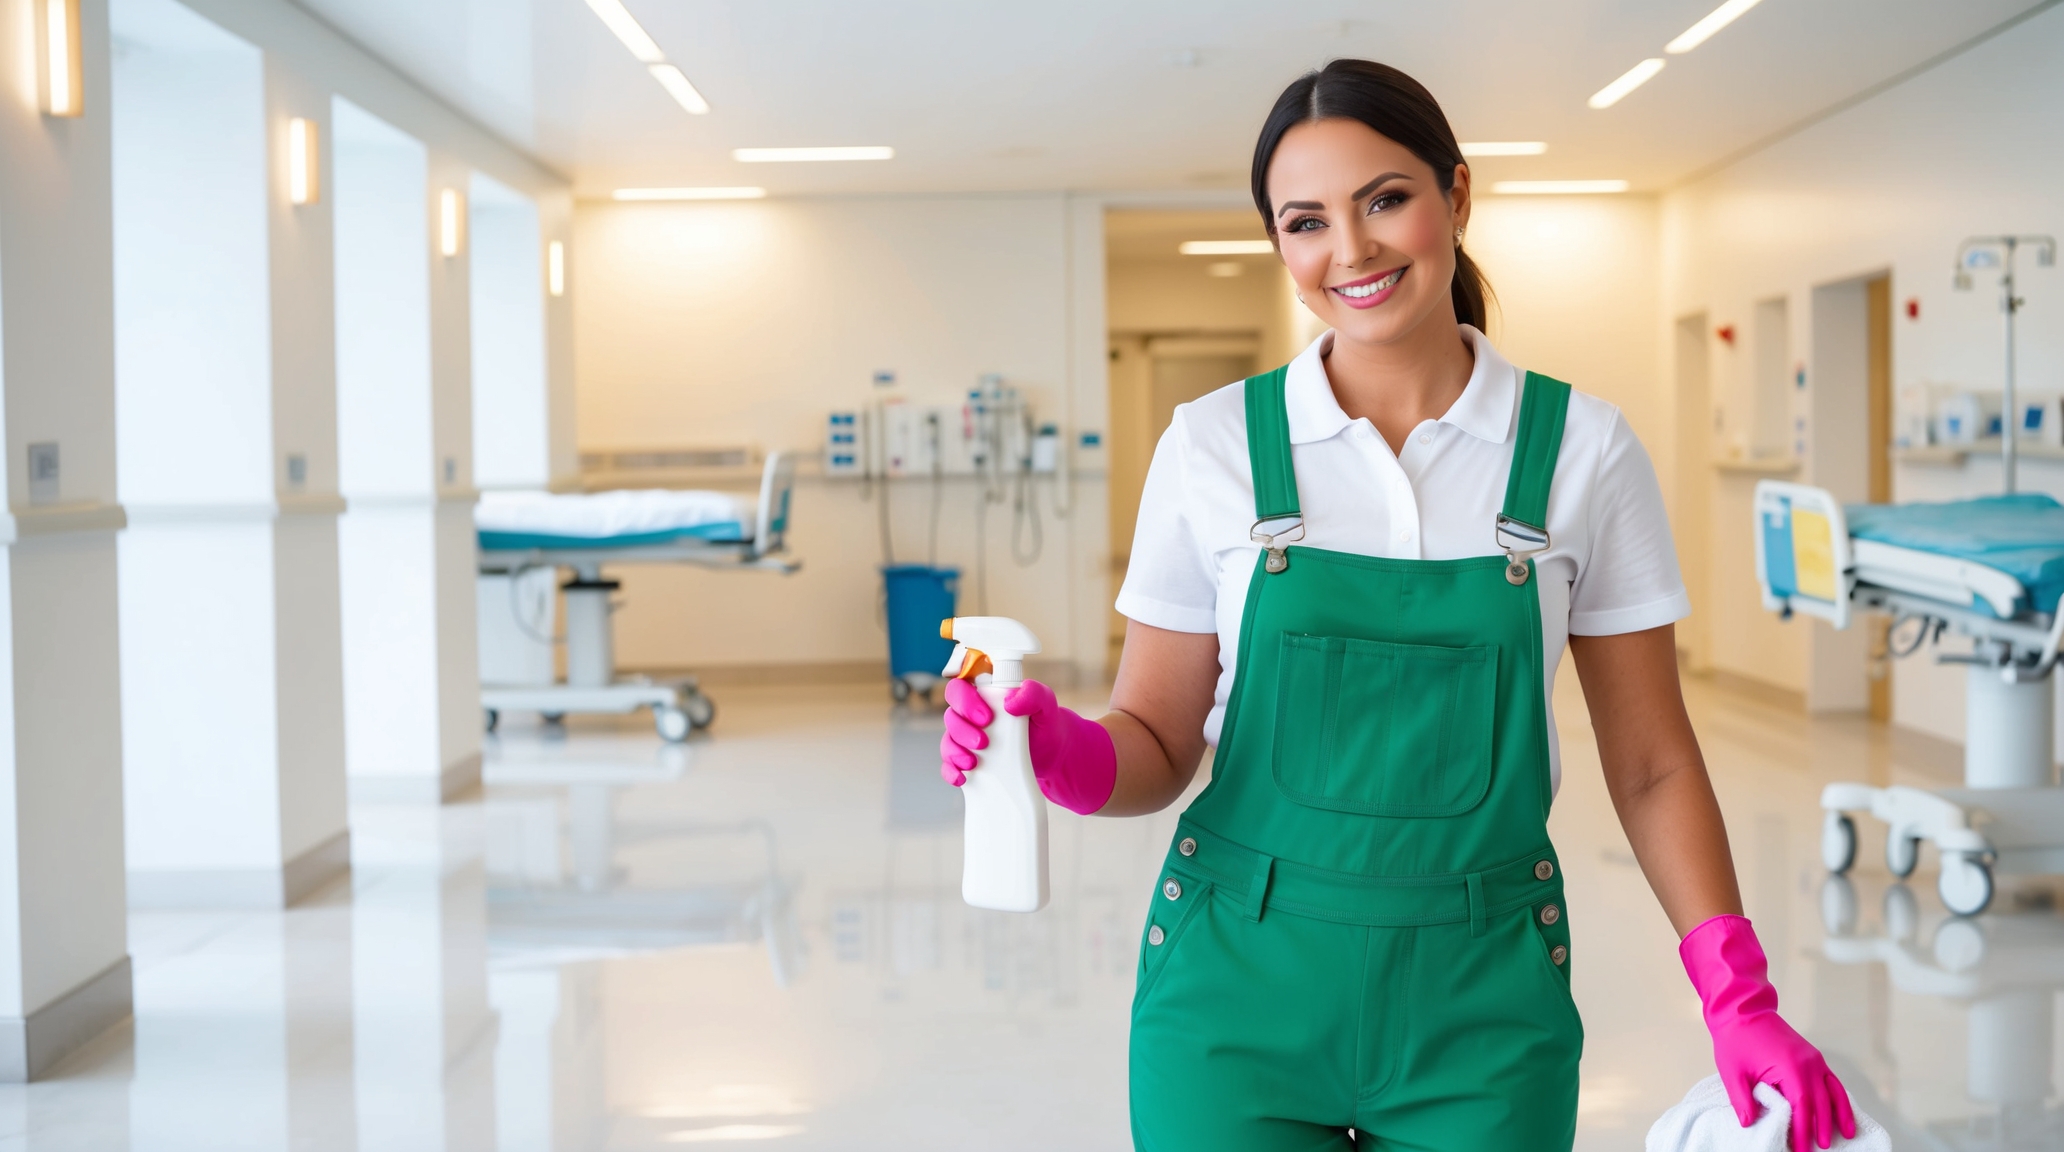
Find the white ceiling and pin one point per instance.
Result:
(1125, 94)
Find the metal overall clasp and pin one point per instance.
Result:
(1520, 541)
(1288, 530)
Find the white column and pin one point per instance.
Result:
(64, 964)
(231, 678)
(412, 695)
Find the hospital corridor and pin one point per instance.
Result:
(604, 575)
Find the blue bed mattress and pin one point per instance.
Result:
(2021, 535)
(722, 532)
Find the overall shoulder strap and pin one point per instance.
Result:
(1268, 446)
(1542, 405)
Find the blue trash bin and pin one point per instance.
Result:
(918, 598)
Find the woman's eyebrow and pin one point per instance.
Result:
(1364, 190)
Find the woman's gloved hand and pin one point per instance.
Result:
(1074, 759)
(1751, 1043)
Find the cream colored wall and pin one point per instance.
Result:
(1894, 183)
(745, 323)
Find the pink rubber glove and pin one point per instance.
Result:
(1751, 1043)
(1073, 758)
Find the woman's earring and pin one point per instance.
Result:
(1458, 235)
(1300, 297)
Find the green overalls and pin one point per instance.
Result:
(1360, 924)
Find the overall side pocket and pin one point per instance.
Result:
(1166, 921)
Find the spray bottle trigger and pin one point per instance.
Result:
(974, 664)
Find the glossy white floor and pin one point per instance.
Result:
(759, 937)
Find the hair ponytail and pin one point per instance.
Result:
(1396, 106)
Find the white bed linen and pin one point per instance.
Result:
(601, 515)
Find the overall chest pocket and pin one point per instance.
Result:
(1384, 729)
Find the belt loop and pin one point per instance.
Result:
(1257, 889)
(1476, 905)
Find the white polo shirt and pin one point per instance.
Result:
(1611, 568)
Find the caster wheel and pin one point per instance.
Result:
(1838, 911)
(1902, 852)
(1837, 842)
(672, 723)
(494, 718)
(1965, 884)
(554, 718)
(900, 689)
(701, 710)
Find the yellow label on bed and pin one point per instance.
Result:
(1813, 554)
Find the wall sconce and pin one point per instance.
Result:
(64, 91)
(555, 268)
(304, 173)
(450, 221)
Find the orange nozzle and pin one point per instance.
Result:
(974, 664)
(946, 628)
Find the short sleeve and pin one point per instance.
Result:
(1170, 581)
(1630, 581)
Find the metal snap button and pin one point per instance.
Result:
(1544, 870)
(1516, 572)
(1155, 936)
(1187, 847)
(1172, 890)
(1559, 954)
(1549, 912)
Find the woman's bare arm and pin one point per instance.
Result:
(1655, 774)
(1163, 693)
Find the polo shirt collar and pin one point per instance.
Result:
(1484, 410)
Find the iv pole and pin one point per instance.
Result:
(1998, 251)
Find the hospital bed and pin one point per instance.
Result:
(525, 533)
(1990, 569)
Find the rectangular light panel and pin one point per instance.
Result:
(304, 179)
(1504, 147)
(1634, 78)
(450, 216)
(800, 155)
(1557, 187)
(688, 194)
(555, 268)
(64, 90)
(1225, 247)
(1703, 31)
(627, 29)
(676, 83)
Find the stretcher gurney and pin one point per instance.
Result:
(523, 532)
(1991, 569)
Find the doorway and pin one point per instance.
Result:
(1179, 326)
(1850, 457)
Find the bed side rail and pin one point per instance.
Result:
(1803, 558)
(777, 485)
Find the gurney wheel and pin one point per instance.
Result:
(554, 718)
(672, 723)
(1965, 884)
(494, 719)
(702, 711)
(899, 688)
(1902, 853)
(1837, 842)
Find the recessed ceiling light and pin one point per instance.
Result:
(1715, 20)
(688, 194)
(676, 83)
(1225, 247)
(628, 30)
(1504, 147)
(1557, 187)
(797, 155)
(1635, 77)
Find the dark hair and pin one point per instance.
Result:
(1396, 106)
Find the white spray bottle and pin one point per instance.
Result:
(1005, 849)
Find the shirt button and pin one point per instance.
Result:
(1544, 870)
(1559, 954)
(1549, 912)
(1155, 936)
(1173, 890)
(1188, 847)
(1405, 536)
(1426, 437)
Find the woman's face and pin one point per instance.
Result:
(1364, 229)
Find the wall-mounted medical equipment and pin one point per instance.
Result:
(1989, 252)
(524, 533)
(1991, 569)
(1966, 417)
(1004, 854)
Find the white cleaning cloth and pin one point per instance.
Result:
(1704, 1122)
